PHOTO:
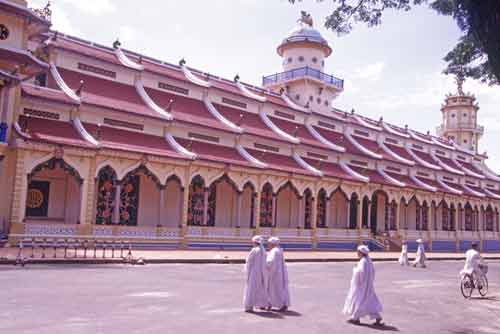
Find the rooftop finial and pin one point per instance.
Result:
(117, 44)
(305, 18)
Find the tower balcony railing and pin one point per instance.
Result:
(301, 73)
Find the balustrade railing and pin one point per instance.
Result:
(303, 72)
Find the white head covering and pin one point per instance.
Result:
(420, 241)
(363, 249)
(257, 239)
(274, 240)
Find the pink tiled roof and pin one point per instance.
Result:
(214, 152)
(329, 169)
(46, 93)
(374, 176)
(279, 162)
(424, 156)
(401, 151)
(54, 132)
(118, 139)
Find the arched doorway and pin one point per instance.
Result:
(377, 214)
(322, 206)
(308, 206)
(53, 193)
(196, 208)
(353, 211)
(287, 202)
(266, 206)
(107, 201)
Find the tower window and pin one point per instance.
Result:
(465, 141)
(452, 115)
(301, 59)
(318, 100)
(297, 97)
(315, 60)
(465, 115)
(289, 60)
(311, 98)
(322, 63)
(326, 103)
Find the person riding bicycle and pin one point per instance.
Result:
(472, 261)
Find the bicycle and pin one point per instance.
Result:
(470, 282)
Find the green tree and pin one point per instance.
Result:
(477, 53)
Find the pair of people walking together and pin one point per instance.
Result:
(266, 284)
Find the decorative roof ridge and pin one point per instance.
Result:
(447, 187)
(250, 158)
(215, 113)
(270, 124)
(394, 154)
(179, 148)
(466, 170)
(445, 166)
(322, 139)
(25, 85)
(390, 178)
(487, 171)
(148, 101)
(247, 92)
(193, 78)
(292, 104)
(392, 130)
(77, 124)
(489, 193)
(62, 84)
(345, 167)
(305, 165)
(361, 147)
(421, 183)
(416, 136)
(361, 120)
(420, 160)
(472, 191)
(25, 53)
(20, 132)
(439, 143)
(126, 61)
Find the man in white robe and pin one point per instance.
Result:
(420, 258)
(361, 300)
(279, 296)
(472, 261)
(256, 285)
(403, 258)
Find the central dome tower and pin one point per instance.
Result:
(304, 51)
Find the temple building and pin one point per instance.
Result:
(100, 142)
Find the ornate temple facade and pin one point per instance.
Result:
(100, 142)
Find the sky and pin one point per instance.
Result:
(393, 70)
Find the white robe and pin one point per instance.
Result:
(420, 258)
(255, 285)
(472, 261)
(403, 258)
(361, 300)
(279, 294)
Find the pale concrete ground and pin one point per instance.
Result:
(213, 255)
(186, 298)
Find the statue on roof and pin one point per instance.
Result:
(45, 12)
(305, 18)
(460, 79)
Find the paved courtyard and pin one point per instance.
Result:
(189, 298)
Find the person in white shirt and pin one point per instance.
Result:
(403, 258)
(420, 258)
(361, 300)
(279, 295)
(256, 285)
(472, 261)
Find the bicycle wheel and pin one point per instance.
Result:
(466, 286)
(482, 286)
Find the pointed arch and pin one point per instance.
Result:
(196, 201)
(106, 195)
(267, 207)
(322, 201)
(54, 163)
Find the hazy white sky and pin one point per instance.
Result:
(392, 71)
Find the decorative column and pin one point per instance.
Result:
(302, 205)
(161, 204)
(238, 209)
(398, 218)
(348, 214)
(369, 216)
(359, 216)
(257, 211)
(117, 202)
(83, 201)
(20, 192)
(314, 222)
(273, 224)
(205, 206)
